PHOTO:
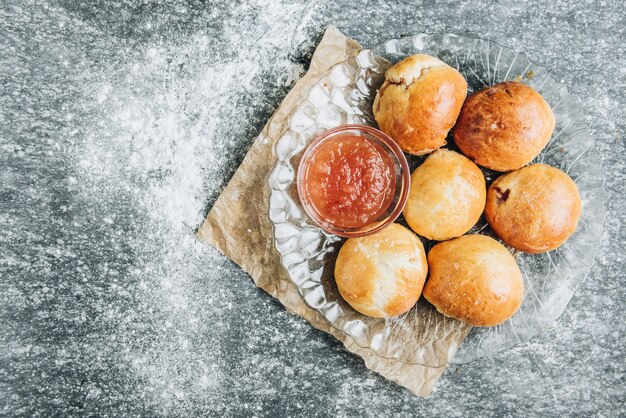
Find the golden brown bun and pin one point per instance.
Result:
(534, 209)
(419, 102)
(475, 279)
(504, 127)
(447, 196)
(382, 274)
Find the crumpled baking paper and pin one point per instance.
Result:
(238, 225)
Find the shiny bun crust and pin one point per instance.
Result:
(504, 127)
(419, 102)
(382, 274)
(447, 196)
(534, 209)
(475, 279)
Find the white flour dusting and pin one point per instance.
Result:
(162, 139)
(121, 122)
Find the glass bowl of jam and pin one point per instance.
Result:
(353, 180)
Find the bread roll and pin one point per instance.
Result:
(447, 196)
(382, 274)
(475, 279)
(534, 209)
(419, 102)
(504, 127)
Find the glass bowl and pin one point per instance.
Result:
(401, 173)
(422, 335)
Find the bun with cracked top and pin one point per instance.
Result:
(534, 209)
(419, 102)
(382, 274)
(504, 127)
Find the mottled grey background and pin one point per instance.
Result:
(121, 121)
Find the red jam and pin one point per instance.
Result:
(349, 181)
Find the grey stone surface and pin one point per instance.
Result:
(120, 122)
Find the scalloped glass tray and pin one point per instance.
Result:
(345, 95)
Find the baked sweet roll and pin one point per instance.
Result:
(419, 102)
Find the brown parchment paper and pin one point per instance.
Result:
(238, 225)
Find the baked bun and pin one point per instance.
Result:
(534, 209)
(504, 127)
(419, 102)
(447, 196)
(382, 274)
(475, 279)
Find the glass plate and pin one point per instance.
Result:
(345, 95)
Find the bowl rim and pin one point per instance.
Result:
(404, 188)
